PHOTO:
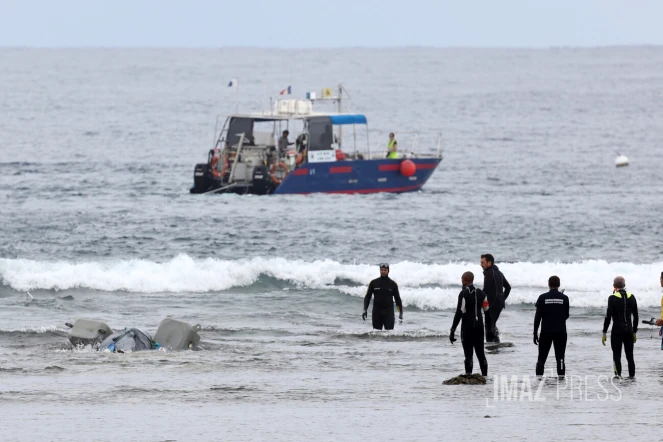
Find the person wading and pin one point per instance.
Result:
(623, 311)
(553, 309)
(497, 289)
(472, 305)
(385, 291)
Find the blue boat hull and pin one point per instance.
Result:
(360, 176)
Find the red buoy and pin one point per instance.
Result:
(408, 168)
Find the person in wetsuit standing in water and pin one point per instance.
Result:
(553, 309)
(471, 303)
(385, 291)
(497, 289)
(621, 306)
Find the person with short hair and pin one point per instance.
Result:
(497, 288)
(284, 143)
(472, 305)
(623, 311)
(553, 309)
(392, 147)
(385, 291)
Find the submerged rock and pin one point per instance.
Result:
(466, 379)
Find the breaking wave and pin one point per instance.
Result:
(434, 286)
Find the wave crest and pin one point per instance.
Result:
(588, 283)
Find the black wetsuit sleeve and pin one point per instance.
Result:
(608, 316)
(489, 285)
(566, 306)
(537, 315)
(507, 287)
(459, 312)
(635, 315)
(397, 297)
(369, 294)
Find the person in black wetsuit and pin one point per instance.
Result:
(621, 306)
(385, 291)
(472, 304)
(553, 309)
(497, 289)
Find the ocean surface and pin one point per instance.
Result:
(97, 151)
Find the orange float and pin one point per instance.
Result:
(408, 168)
(280, 165)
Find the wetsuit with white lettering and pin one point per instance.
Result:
(553, 309)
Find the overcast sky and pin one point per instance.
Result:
(333, 23)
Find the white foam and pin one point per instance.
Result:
(588, 283)
(40, 330)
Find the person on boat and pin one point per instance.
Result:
(385, 291)
(472, 305)
(392, 146)
(553, 309)
(497, 289)
(393, 153)
(284, 143)
(621, 307)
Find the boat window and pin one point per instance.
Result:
(263, 133)
(236, 127)
(320, 133)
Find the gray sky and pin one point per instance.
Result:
(332, 23)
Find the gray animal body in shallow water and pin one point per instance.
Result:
(177, 335)
(88, 332)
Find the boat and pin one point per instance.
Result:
(246, 158)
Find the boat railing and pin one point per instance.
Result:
(414, 136)
(218, 136)
(413, 149)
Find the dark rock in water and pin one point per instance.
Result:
(67, 298)
(466, 379)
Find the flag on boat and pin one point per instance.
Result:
(233, 83)
(286, 91)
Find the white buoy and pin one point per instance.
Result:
(621, 160)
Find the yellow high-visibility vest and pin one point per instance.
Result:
(628, 295)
